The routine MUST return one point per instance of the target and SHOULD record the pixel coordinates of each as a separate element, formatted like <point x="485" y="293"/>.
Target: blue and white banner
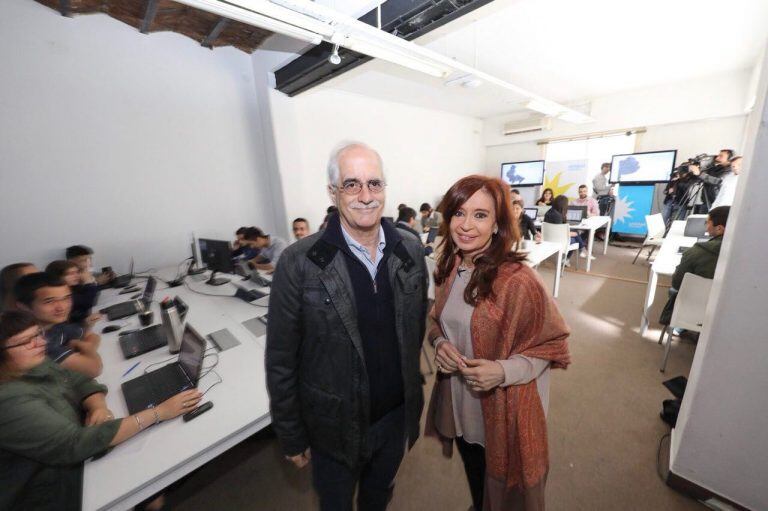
<point x="632" y="204"/>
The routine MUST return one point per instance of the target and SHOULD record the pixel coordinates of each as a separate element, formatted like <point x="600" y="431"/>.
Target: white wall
<point x="424" y="151"/>
<point x="122" y="141"/>
<point x="721" y="438"/>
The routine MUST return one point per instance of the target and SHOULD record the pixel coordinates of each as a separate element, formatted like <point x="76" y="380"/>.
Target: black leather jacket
<point x="316" y="373"/>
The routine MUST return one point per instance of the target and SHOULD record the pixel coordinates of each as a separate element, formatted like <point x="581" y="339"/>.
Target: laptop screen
<point x="574" y="215"/>
<point x="149" y="291"/>
<point x="531" y="213"/>
<point x="191" y="355"/>
<point x="696" y="227"/>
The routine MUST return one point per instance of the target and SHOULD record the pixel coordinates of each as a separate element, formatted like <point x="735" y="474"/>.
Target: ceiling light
<point x="575" y="117"/>
<point x="544" y="107"/>
<point x="468" y="81"/>
<point x="254" y="19"/>
<point x="334" y="58"/>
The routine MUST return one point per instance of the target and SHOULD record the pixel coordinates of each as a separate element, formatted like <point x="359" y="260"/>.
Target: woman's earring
<point x="496" y="230"/>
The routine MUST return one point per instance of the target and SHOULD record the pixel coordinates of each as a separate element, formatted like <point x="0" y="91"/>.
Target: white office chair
<point x="655" y="237"/>
<point x="688" y="313"/>
<point x="560" y="233"/>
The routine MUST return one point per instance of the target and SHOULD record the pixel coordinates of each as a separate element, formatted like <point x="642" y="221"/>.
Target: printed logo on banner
<point x="564" y="177"/>
<point x="632" y="204"/>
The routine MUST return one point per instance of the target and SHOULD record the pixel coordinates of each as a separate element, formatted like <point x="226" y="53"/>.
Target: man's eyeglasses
<point x="353" y="186"/>
<point x="27" y="340"/>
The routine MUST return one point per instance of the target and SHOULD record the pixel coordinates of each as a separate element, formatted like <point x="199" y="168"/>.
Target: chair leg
<point x="667" y="349"/>
<point x="663" y="331"/>
<point x="650" y="252"/>
<point x="638" y="254"/>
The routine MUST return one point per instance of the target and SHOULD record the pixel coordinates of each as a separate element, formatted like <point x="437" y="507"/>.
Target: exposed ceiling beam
<point x="149" y="16"/>
<point x="64" y="7"/>
<point x="215" y="33"/>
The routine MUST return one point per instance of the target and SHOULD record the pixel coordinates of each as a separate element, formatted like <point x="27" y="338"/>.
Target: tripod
<point x="688" y="204"/>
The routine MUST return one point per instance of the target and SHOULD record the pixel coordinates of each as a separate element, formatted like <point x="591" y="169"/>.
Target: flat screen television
<point x="523" y="173"/>
<point x="645" y="168"/>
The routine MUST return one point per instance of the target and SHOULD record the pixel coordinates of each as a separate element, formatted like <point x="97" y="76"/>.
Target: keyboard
<point x="121" y="310"/>
<point x="153" y="388"/>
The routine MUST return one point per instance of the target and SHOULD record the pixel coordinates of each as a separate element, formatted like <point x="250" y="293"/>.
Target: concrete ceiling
<point x="573" y="51"/>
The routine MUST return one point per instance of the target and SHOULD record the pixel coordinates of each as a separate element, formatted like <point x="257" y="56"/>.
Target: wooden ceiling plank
<point x="149" y="15"/>
<point x="215" y="32"/>
<point x="65" y="8"/>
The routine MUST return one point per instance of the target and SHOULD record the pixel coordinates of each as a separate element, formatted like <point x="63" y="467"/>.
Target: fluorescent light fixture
<point x="575" y="117"/>
<point x="254" y="19"/>
<point x="467" y="81"/>
<point x="392" y="55"/>
<point x="545" y="107"/>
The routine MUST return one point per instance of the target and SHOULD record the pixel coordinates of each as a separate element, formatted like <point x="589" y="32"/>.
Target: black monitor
<point x="576" y="214"/>
<point x="217" y="256"/>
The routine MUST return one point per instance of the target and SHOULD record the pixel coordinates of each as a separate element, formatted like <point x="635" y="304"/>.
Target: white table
<point x="153" y="459"/>
<point x="536" y="252"/>
<point x="591" y="224"/>
<point x="665" y="263"/>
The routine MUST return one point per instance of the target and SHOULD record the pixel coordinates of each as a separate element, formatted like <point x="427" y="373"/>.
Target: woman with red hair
<point x="496" y="334"/>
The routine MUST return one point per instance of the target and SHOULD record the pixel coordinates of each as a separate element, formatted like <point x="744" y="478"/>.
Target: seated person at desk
<point x="300" y="228"/>
<point x="429" y="217"/>
<point x="700" y="259"/>
<point x="557" y="214"/>
<point x="82" y="256"/>
<point x="527" y="226"/>
<point x="54" y="419"/>
<point x="406" y="220"/>
<point x="514" y="194"/>
<point x="546" y="198"/>
<point x="270" y="248"/>
<point x="8" y="278"/>
<point x="240" y="249"/>
<point x="84" y="295"/>
<point x="585" y="200"/>
<point x="49" y="300"/>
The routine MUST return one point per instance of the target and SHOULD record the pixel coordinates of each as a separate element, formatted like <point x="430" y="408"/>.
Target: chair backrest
<point x="655" y="225"/>
<point x="559" y="233"/>
<point x="691" y="303"/>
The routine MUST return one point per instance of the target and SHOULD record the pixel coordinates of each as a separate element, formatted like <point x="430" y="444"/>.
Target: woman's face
<point x="72" y="276"/>
<point x="516" y="210"/>
<point x="26" y="349"/>
<point x="473" y="224"/>
<point x="548" y="195"/>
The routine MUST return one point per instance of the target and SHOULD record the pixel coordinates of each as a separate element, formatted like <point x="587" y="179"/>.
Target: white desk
<point x="153" y="459"/>
<point x="591" y="224"/>
<point x="536" y="252"/>
<point x="665" y="263"/>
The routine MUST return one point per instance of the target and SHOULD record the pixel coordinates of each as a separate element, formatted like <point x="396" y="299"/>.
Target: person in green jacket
<point x="53" y="419"/>
<point x="700" y="259"/>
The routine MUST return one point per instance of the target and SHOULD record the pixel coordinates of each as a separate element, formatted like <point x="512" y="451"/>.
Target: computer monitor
<point x="696" y="226"/>
<point x="531" y="213"/>
<point x="523" y="173"/>
<point x="217" y="256"/>
<point x="648" y="168"/>
<point x="576" y="214"/>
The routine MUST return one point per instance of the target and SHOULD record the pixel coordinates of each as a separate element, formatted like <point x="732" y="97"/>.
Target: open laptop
<point x="531" y="213"/>
<point x="125" y="309"/>
<point x="153" y="388"/>
<point x="124" y="280"/>
<point x="542" y="210"/>
<point x="696" y="227"/>
<point x="151" y="338"/>
<point x="576" y="214"/>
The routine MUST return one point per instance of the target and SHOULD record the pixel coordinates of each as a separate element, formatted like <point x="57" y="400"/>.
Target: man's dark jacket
<point x="316" y="373"/>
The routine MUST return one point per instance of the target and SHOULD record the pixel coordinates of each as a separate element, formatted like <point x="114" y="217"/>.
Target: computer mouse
<point x="110" y="328"/>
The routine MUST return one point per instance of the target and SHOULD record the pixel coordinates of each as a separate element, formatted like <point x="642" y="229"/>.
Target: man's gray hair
<point x="333" y="162"/>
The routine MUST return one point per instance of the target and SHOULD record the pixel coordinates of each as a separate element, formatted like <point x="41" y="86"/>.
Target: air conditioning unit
<point x="527" y="126"/>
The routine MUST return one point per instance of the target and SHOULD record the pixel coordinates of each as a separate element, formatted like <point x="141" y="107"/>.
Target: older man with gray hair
<point x="346" y="322"/>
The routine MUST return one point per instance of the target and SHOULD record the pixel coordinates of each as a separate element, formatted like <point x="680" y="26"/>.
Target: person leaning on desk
<point x="54" y="419"/>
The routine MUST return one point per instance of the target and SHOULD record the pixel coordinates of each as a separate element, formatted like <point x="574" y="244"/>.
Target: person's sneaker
<point x="567" y="263"/>
<point x="583" y="254"/>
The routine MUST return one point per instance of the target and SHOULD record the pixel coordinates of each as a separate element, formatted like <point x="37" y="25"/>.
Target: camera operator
<point x="672" y="196"/>
<point x="728" y="186"/>
<point x="712" y="179"/>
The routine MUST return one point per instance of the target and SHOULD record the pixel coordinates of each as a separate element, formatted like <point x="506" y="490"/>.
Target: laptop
<point x="432" y="234"/>
<point x="245" y="271"/>
<point x="125" y="309"/>
<point x="124" y="280"/>
<point x="542" y="210"/>
<point x="576" y="214"/>
<point x="531" y="213"/>
<point x="696" y="227"/>
<point x="153" y="388"/>
<point x="147" y="339"/>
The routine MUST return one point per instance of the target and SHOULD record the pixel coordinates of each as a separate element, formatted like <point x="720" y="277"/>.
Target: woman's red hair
<point x="498" y="252"/>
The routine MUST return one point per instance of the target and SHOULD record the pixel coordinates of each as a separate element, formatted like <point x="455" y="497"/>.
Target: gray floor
<point x="604" y="426"/>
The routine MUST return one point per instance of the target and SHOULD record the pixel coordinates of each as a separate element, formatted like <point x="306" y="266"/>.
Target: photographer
<point x="712" y="179"/>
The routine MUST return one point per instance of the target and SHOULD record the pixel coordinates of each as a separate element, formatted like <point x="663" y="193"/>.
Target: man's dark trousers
<point x="335" y="482"/>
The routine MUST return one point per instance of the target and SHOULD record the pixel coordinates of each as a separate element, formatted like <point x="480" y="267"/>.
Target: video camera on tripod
<point x="704" y="161"/>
